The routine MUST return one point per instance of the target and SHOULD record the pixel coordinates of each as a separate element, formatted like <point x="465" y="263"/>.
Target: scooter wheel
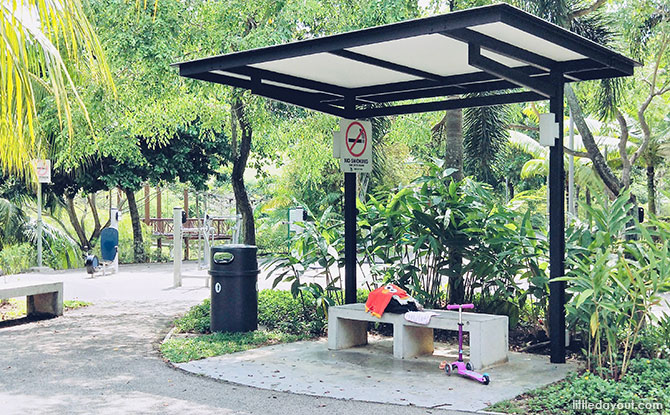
<point x="468" y="366"/>
<point x="447" y="369"/>
<point x="487" y="380"/>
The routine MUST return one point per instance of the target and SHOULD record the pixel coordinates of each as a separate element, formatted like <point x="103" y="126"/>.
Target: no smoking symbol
<point x="42" y="169"/>
<point x="356" y="139"/>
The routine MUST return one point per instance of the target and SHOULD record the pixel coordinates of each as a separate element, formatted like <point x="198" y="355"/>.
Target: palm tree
<point x="584" y="173"/>
<point x="485" y="142"/>
<point x="38" y="41"/>
<point x="656" y="153"/>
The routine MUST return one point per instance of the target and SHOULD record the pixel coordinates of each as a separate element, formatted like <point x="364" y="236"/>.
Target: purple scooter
<point x="459" y="367"/>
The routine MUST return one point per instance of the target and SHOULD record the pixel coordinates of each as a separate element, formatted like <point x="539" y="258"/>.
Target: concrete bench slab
<point x="42" y="298"/>
<point x="489" y="343"/>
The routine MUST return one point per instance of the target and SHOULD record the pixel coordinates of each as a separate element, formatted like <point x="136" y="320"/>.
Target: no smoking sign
<point x="42" y="170"/>
<point x="353" y="146"/>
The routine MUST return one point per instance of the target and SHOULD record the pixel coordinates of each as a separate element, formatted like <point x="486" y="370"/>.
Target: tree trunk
<point x="138" y="242"/>
<point x="510" y="189"/>
<point x="237" y="177"/>
<point x="453" y="158"/>
<point x="74" y="221"/>
<point x="453" y="152"/>
<point x="599" y="162"/>
<point x="456" y="284"/>
<point x="96" y="216"/>
<point x="651" y="189"/>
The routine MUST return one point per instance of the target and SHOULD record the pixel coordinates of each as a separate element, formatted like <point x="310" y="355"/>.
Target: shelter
<point x="500" y="50"/>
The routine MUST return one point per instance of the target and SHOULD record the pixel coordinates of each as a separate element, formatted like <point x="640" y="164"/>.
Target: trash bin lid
<point x="235" y="258"/>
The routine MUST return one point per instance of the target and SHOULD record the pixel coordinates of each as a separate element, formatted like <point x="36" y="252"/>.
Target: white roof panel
<point x="525" y="40"/>
<point x="334" y="70"/>
<point x="434" y="53"/>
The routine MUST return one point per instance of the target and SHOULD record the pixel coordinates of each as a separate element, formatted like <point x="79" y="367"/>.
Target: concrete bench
<point x="347" y="327"/>
<point x="42" y="298"/>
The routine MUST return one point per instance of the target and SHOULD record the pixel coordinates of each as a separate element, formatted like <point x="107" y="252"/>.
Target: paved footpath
<point x="103" y="359"/>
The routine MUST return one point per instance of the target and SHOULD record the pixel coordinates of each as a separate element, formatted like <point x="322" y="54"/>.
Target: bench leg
<point x="45" y="304"/>
<point x="410" y="341"/>
<point x="489" y="344"/>
<point x="343" y="334"/>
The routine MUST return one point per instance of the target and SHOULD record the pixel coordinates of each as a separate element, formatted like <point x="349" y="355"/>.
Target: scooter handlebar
<point x="457" y="306"/>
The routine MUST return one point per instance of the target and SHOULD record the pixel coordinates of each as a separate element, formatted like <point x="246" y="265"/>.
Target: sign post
<point x="353" y="146"/>
<point x="43" y="171"/>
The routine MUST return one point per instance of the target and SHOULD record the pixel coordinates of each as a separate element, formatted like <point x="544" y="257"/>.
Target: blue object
<point x="109" y="242"/>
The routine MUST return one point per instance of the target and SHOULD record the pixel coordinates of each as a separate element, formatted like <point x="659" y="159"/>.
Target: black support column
<point x="350" y="222"/>
<point x="557" y="229"/>
<point x="349" y="238"/>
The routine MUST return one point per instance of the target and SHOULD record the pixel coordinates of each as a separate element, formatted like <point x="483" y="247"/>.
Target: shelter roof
<point x="481" y="56"/>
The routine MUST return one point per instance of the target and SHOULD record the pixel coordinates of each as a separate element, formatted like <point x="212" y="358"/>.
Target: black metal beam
<point x="501" y="48"/>
<point x="290" y="96"/>
<point x="358" y="57"/>
<point x="453" y="80"/>
<point x="446" y="91"/>
<point x="589" y="75"/>
<point x="450" y="104"/>
<point x="290" y="80"/>
<point x="557" y="230"/>
<point x="476" y="59"/>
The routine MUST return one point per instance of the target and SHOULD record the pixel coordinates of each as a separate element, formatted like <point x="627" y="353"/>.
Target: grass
<point x="184" y="349"/>
<point x="75" y="304"/>
<point x="16" y="308"/>
<point x="645" y="384"/>
<point x="284" y="319"/>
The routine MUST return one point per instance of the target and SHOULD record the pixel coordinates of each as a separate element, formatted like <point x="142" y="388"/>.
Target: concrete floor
<point x="371" y="374"/>
<point x="103" y="359"/>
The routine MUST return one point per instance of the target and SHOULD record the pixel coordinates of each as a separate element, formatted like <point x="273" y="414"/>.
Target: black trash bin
<point x="234" y="272"/>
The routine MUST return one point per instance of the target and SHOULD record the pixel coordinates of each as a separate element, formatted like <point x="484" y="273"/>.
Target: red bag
<point x="381" y="297"/>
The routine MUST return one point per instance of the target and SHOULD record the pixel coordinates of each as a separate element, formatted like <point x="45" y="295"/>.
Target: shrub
<point x="295" y="315"/>
<point x="645" y="383"/>
<point x="271" y="237"/>
<point x="655" y="339"/>
<point x="126" y="242"/>
<point x="196" y="320"/>
<point x="616" y="276"/>
<point x="17" y="258"/>
<point x="277" y="310"/>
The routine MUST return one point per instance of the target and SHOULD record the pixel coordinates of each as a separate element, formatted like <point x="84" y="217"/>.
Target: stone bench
<point x="42" y="299"/>
<point x="347" y="327"/>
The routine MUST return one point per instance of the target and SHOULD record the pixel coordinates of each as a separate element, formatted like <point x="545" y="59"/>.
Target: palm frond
<point x="527" y="144"/>
<point x="534" y="168"/>
<point x="33" y="34"/>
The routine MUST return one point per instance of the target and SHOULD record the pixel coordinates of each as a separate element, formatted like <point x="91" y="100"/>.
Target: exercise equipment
<point x="109" y="248"/>
<point x="205" y="233"/>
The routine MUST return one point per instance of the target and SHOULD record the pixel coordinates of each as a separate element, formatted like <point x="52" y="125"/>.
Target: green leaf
<point x="594" y="323"/>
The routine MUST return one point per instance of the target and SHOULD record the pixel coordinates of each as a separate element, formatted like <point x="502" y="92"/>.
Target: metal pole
<point x="571" y="168"/>
<point x="350" y="238"/>
<point x="176" y="247"/>
<point x="39" y="224"/>
<point x="557" y="230"/>
<point x="114" y="224"/>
